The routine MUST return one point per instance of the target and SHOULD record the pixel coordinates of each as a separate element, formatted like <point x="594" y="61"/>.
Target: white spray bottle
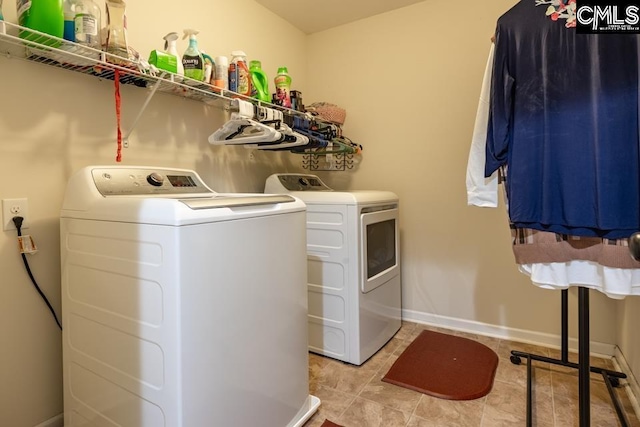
<point x="170" y="42"/>
<point x="192" y="59"/>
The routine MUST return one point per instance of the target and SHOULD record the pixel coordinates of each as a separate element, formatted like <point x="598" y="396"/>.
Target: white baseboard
<point x="634" y="388"/>
<point x="57" y="421"/>
<point x="502" y="332"/>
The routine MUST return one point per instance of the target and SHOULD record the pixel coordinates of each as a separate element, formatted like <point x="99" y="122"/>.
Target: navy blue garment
<point x="564" y="119"/>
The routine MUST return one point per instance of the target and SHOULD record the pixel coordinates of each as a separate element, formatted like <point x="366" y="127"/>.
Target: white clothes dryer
<point x="353" y="259"/>
<point x="174" y="312"/>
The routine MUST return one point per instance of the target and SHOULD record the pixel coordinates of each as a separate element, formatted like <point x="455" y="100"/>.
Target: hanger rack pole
<point x="611" y="378"/>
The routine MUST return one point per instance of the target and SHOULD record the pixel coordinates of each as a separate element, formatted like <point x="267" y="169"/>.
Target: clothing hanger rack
<point x="270" y="128"/>
<point x="611" y="378"/>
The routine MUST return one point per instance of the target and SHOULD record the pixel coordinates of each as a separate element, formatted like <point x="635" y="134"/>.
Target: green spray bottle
<point x="192" y="60"/>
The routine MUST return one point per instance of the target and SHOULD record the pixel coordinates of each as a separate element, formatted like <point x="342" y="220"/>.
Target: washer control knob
<point x="304" y="182"/>
<point x="155" y="179"/>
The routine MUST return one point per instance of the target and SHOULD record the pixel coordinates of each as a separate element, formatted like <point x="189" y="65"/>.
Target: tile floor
<point x="355" y="396"/>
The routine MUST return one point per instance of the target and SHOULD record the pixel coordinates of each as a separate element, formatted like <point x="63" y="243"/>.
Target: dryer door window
<point x="381" y="247"/>
<point x="380" y="251"/>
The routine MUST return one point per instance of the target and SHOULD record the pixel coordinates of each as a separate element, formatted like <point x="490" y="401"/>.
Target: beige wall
<point x="410" y="81"/>
<point x="52" y="122"/>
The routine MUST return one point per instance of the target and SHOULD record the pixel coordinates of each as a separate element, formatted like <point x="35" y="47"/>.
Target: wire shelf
<point x="34" y="46"/>
<point x="24" y="43"/>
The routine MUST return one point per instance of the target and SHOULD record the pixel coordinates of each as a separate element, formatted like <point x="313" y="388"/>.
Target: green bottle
<point x="283" y="87"/>
<point x="260" y="83"/>
<point x="46" y="16"/>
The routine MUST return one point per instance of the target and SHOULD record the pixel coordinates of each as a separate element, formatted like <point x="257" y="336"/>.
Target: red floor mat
<point x="445" y="366"/>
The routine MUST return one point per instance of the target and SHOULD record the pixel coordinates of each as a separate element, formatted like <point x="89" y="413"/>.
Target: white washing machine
<point x="353" y="262"/>
<point x="175" y="311"/>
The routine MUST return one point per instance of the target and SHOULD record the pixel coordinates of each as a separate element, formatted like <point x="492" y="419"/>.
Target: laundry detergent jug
<point x="46" y="16"/>
<point x="260" y="83"/>
<point x="239" y="78"/>
<point x="283" y="87"/>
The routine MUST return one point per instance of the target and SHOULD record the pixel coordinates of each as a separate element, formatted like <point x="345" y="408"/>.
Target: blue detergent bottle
<point x="69" y="7"/>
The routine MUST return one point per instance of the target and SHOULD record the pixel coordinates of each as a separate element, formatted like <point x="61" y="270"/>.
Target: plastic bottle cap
<point x="222" y="60"/>
<point x="238" y="53"/>
<point x="255" y="64"/>
<point x="283" y="70"/>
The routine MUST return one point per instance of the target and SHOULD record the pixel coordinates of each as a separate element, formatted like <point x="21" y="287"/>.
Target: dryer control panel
<point x="302" y="182"/>
<point x="124" y="181"/>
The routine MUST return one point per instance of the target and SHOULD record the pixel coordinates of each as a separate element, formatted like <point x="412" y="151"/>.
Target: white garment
<point x="482" y="191"/>
<point x="616" y="283"/>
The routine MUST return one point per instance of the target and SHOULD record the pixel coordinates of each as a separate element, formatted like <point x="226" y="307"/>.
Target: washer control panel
<point x="123" y="181"/>
<point x="301" y="182"/>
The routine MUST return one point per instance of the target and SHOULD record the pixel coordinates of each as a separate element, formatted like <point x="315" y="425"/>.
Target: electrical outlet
<point x="12" y="208"/>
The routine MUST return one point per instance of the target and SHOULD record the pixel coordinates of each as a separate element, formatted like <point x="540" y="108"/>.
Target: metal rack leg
<point x="611" y="378"/>
<point x="584" y="371"/>
<point x="564" y="311"/>
<point x="529" y="392"/>
<point x="624" y="422"/>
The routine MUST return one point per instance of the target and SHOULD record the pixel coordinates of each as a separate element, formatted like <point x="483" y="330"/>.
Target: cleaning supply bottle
<point x="192" y="59"/>
<point x="170" y="47"/>
<point x="46" y="16"/>
<point x="239" y="78"/>
<point x="208" y="68"/>
<point x="87" y="23"/>
<point x="69" y="7"/>
<point x="117" y="44"/>
<point x="283" y="87"/>
<point x="221" y="78"/>
<point x="166" y="61"/>
<point x="259" y="81"/>
<point x="1" y="17"/>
